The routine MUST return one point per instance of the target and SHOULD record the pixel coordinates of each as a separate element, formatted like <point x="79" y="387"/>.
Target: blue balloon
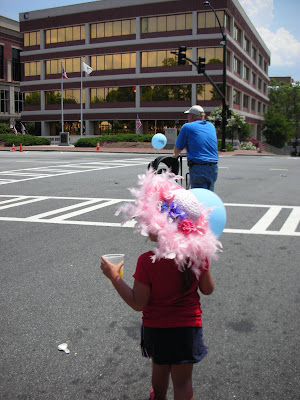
<point x="159" y="141"/>
<point x="217" y="217"/>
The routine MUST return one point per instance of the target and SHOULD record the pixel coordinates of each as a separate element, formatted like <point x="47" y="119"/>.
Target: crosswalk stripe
<point x="63" y="215"/>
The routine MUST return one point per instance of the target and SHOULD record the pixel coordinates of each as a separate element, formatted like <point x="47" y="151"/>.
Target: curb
<point x="135" y="150"/>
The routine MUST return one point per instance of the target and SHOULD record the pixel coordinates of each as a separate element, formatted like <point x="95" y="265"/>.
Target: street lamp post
<point x="224" y="107"/>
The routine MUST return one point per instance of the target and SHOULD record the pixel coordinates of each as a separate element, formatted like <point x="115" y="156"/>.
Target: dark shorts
<point x="173" y="345"/>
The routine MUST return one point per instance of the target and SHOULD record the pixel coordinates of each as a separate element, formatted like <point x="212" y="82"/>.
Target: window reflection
<point x="160" y="58"/>
<point x="113" y="61"/>
<point x="32" y="39"/>
<point x="212" y="55"/>
<point x="32" y="68"/>
<point x="70" y="96"/>
<point x="167" y="23"/>
<point x="166" y="93"/>
<point x="112" y="95"/>
<point x="208" y="19"/>
<point x="70" y="65"/>
<point x="113" y="28"/>
<point x="32" y="98"/>
<point x="67" y="34"/>
<point x="208" y="92"/>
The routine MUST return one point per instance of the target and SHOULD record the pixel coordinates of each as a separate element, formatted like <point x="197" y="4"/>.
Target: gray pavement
<point x="56" y="219"/>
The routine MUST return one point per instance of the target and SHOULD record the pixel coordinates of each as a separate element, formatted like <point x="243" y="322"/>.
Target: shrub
<point x="92" y="141"/>
<point x="248" y="146"/>
<point x="228" y="146"/>
<point x="27" y="140"/>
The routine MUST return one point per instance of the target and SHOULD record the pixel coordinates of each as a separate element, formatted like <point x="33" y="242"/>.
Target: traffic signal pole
<point x="200" y="65"/>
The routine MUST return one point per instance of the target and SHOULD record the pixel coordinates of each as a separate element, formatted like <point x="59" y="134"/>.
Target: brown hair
<point x="187" y="279"/>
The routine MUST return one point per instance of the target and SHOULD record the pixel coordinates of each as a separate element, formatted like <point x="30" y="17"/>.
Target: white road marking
<point x="62" y="215"/>
<point x="67" y="168"/>
<point x="263" y="224"/>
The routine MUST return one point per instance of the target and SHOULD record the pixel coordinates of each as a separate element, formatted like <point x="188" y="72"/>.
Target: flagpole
<point x="62" y="99"/>
<point x="81" y="112"/>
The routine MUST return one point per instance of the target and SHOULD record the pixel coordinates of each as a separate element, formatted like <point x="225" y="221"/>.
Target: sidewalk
<point x="138" y="148"/>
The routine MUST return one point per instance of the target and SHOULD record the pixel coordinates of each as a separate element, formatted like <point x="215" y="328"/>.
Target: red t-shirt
<point x="168" y="306"/>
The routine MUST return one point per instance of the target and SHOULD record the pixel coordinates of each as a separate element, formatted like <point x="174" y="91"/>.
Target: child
<point x="167" y="279"/>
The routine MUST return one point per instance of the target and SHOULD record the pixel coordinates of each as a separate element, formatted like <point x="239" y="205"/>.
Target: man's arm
<point x="176" y="152"/>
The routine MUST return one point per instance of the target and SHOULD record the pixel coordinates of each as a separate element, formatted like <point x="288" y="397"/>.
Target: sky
<point x="277" y="22"/>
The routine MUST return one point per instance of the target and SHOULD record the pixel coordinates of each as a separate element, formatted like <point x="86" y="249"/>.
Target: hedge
<point x="27" y="140"/>
<point x="92" y="141"/>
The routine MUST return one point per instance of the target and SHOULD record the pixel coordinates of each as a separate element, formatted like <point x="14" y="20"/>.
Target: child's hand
<point x="111" y="271"/>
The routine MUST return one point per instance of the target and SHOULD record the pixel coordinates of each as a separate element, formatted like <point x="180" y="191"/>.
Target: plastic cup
<point x="115" y="259"/>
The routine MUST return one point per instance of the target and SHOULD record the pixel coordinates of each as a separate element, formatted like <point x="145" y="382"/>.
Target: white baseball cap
<point x="197" y="110"/>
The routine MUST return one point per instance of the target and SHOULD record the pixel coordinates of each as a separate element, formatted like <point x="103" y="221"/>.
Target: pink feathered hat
<point x="174" y="214"/>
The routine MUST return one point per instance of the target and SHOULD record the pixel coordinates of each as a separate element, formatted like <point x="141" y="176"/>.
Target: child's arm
<point x="138" y="297"/>
<point x="206" y="283"/>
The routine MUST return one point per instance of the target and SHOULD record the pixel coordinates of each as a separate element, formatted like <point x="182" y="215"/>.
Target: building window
<point x="264" y="108"/>
<point x="236" y="97"/>
<point x="259" y="83"/>
<point x="16" y="65"/>
<point x="212" y="55"/>
<point x="208" y="19"/>
<point x="246" y="101"/>
<point x="167" y="23"/>
<point x="32" y="39"/>
<point x="112" y="95"/>
<point x="71" y="96"/>
<point x="247" y="44"/>
<point x="161" y="58"/>
<point x="208" y="92"/>
<point x="4" y="101"/>
<point x="246" y="73"/>
<point x="254" y="79"/>
<point x="32" y="98"/>
<point x="70" y="65"/>
<point x="260" y="60"/>
<point x="265" y="88"/>
<point x="114" y="28"/>
<point x="227" y="22"/>
<point x="266" y="66"/>
<point x="237" y="34"/>
<point x="259" y="107"/>
<point x="253" y="105"/>
<point x="68" y="34"/>
<point x="228" y="59"/>
<point x="166" y="93"/>
<point x="237" y="65"/>
<point x="32" y="68"/>
<point x="254" y="53"/>
<point x="18" y="102"/>
<point x="1" y="63"/>
<point x="113" y="61"/>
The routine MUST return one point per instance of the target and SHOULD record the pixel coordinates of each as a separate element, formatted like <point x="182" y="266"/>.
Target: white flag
<point x="86" y="68"/>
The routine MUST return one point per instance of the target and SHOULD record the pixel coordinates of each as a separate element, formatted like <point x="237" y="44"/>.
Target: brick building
<point x="11" y="44"/>
<point x="129" y="46"/>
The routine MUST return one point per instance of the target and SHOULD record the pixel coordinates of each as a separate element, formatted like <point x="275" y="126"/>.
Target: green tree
<point x="171" y="61"/>
<point x="277" y="129"/>
<point x="285" y="101"/>
<point x="33" y="99"/>
<point x="236" y="125"/>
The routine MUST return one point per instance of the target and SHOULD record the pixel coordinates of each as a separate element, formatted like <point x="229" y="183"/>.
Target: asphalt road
<point x="57" y="218"/>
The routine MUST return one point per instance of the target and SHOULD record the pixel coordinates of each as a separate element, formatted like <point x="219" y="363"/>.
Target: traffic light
<point x="181" y="55"/>
<point x="201" y="65"/>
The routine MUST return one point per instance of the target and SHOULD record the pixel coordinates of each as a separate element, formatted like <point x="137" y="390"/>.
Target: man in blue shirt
<point x="199" y="138"/>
